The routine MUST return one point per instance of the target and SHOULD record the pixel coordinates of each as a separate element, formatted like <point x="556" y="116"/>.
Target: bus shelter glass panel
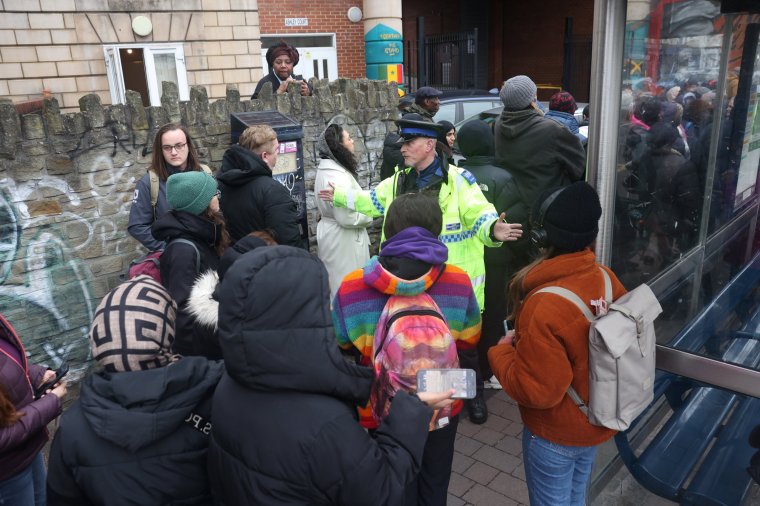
<point x="738" y="155"/>
<point x="670" y="73"/>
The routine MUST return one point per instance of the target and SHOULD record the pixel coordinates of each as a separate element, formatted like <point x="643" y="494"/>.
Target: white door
<point x="317" y="58"/>
<point x="319" y="62"/>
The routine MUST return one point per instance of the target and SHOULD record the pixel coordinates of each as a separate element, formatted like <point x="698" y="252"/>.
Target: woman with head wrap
<point x="342" y="240"/>
<point x="282" y="58"/>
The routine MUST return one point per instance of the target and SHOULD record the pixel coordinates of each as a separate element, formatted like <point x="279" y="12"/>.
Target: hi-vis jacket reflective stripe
<point x="467" y="219"/>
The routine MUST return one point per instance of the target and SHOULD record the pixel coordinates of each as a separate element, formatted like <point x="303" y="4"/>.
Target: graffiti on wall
<point x="55" y="234"/>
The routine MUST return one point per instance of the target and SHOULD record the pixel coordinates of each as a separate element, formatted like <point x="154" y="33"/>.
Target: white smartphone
<point x="440" y="380"/>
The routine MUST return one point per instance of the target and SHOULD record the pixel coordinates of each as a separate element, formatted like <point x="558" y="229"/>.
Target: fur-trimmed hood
<point x="201" y="304"/>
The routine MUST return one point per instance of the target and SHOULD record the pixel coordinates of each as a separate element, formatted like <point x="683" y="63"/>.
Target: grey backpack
<point x="621" y="355"/>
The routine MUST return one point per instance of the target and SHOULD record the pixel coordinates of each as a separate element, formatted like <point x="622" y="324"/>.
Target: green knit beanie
<point x="190" y="191"/>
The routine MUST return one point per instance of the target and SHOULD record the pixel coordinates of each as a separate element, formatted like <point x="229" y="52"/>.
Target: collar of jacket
<point x="382" y="280"/>
<point x="554" y="270"/>
<point x="240" y="165"/>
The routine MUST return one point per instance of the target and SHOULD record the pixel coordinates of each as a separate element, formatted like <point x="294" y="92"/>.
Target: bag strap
<point x="387" y="324"/>
<point x="197" y="253"/>
<point x="572" y="297"/>
<point x="154" y="185"/>
<point x="206" y="169"/>
<point x="607" y="285"/>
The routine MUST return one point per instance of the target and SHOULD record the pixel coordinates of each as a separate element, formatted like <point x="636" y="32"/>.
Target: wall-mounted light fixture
<point x="142" y="26"/>
<point x="354" y="14"/>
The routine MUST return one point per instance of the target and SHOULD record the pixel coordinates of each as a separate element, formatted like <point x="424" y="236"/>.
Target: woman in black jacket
<point x="282" y="58"/>
<point x="139" y="431"/>
<point x="285" y="428"/>
<point x="196" y="236"/>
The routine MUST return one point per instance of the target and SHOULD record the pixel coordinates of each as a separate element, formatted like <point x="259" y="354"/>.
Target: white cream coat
<point x="342" y="240"/>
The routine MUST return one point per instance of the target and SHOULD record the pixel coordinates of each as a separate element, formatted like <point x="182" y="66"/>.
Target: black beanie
<point x="572" y="219"/>
<point x="476" y="139"/>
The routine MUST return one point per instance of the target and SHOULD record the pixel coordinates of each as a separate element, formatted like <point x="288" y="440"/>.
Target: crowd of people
<point x="250" y="372"/>
<point x="663" y="150"/>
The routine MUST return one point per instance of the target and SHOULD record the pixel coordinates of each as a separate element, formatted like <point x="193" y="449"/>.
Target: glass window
<point x="447" y="112"/>
<point x="670" y="75"/>
<point x="475" y="107"/>
<point x="143" y="69"/>
<point x="738" y="156"/>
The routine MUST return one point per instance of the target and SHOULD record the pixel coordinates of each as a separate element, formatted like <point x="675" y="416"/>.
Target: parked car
<point x="490" y="115"/>
<point x="457" y="105"/>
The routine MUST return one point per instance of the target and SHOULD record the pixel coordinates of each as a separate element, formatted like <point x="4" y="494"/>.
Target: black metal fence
<point x="446" y="61"/>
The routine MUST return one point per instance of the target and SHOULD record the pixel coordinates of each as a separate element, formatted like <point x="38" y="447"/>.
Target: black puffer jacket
<point x="391" y="155"/>
<point x="136" y="438"/>
<point x="180" y="268"/>
<point x="251" y="200"/>
<point x="538" y="152"/>
<point x="285" y="428"/>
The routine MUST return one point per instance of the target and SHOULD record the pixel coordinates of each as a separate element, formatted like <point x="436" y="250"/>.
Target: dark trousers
<point x="431" y="485"/>
<point x="494" y="313"/>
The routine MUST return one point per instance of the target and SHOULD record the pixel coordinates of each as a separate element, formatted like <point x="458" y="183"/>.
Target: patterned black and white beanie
<point x="133" y="328"/>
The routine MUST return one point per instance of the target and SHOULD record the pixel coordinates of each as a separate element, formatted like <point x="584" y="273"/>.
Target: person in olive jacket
<point x="499" y="187"/>
<point x="139" y="432"/>
<point x="538" y="152"/>
<point x="251" y="199"/>
<point x="285" y="428"/>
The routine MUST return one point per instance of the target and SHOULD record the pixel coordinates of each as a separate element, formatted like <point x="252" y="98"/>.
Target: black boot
<point x="477" y="409"/>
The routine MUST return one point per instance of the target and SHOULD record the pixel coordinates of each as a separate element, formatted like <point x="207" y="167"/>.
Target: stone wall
<point x="66" y="182"/>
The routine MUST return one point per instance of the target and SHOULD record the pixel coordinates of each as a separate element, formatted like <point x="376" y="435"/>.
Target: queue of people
<point x="251" y="374"/>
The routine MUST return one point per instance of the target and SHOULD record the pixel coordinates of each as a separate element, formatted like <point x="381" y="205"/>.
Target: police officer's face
<point x="417" y="151"/>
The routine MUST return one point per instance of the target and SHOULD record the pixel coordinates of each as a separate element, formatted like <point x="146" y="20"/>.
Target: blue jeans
<point x="26" y="488"/>
<point x="557" y="475"/>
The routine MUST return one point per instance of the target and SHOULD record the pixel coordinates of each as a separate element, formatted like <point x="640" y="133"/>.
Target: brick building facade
<point x="56" y="47"/>
<point x="327" y="16"/>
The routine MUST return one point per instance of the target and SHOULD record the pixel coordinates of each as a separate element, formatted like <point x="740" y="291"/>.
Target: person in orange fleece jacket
<point x="548" y="351"/>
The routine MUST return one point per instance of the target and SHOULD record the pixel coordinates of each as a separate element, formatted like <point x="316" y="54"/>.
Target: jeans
<point x="26" y="488"/>
<point x="556" y="474"/>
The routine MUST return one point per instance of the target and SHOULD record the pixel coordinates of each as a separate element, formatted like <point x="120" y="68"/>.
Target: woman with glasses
<point x="173" y="152"/>
<point x="196" y="236"/>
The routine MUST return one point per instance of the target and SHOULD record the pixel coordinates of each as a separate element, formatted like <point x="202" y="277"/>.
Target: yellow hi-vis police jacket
<point x="467" y="218"/>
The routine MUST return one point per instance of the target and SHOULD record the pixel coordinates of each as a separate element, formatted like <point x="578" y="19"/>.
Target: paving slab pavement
<point x="488" y="468"/>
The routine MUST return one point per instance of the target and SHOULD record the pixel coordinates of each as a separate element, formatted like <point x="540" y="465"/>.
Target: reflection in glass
<point x="671" y="66"/>
<point x="166" y="67"/>
<point x="738" y="155"/>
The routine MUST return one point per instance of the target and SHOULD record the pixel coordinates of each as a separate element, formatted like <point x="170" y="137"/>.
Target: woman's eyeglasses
<point x="177" y="147"/>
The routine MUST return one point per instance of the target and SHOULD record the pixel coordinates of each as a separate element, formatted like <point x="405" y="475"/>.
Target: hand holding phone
<point x="441" y="380"/>
<point x="46" y="385"/>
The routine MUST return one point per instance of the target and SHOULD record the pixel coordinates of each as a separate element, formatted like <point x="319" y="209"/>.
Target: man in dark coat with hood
<point x="285" y="428"/>
<point x="139" y="432"/>
<point x="251" y="199"/>
<point x="500" y="189"/>
<point x="538" y="152"/>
